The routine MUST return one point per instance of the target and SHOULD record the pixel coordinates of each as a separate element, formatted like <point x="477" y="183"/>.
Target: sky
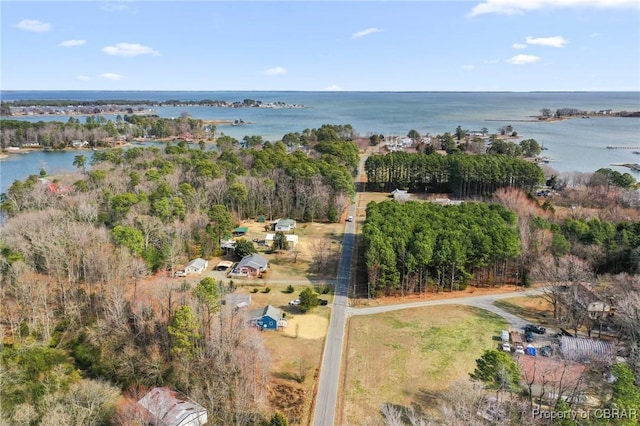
<point x="482" y="45"/>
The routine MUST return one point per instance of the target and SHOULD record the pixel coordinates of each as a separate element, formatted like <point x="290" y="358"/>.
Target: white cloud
<point x="518" y="7"/>
<point x="83" y="78"/>
<point x="556" y="41"/>
<point x="366" y="32"/>
<point x="519" y="46"/>
<point x="71" y="43"/>
<point x="523" y="59"/>
<point x="129" y="50"/>
<point x="33" y="25"/>
<point x="110" y="76"/>
<point x="468" y="67"/>
<point x="333" y="88"/>
<point x="275" y="71"/>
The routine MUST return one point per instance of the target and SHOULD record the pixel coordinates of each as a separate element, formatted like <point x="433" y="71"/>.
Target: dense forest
<point x="79" y="334"/>
<point x="417" y="247"/>
<point x="460" y="174"/>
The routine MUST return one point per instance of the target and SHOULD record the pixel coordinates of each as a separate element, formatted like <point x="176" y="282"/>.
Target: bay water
<point x="573" y="145"/>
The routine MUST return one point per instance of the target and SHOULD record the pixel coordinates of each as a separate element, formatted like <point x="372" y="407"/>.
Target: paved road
<point x="327" y="395"/>
<point x="484" y="302"/>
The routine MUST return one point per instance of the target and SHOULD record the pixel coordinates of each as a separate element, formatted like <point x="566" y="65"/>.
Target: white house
<point x="166" y="409"/>
<point x="196" y="266"/>
<point x="284" y="225"/>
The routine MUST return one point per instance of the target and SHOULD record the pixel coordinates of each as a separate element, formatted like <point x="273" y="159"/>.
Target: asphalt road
<point x="330" y="371"/>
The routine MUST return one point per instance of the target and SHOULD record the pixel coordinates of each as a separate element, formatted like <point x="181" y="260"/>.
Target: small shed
<point x="196" y="266"/>
<point x="267" y="318"/>
<point x="240" y="231"/>
<point x="166" y="408"/>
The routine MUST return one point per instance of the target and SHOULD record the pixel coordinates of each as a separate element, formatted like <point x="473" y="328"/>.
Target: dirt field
<point x="408" y="356"/>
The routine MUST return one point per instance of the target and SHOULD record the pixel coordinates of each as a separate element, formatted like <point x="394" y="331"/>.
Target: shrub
<point x="266" y="290"/>
<point x="255" y="290"/>
<point x="289" y="289"/>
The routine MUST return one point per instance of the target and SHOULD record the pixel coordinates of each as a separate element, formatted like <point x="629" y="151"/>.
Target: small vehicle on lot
<point x="180" y="274"/>
<point x="535" y="328"/>
<point x="295" y="302"/>
<point x="323" y="302"/>
<point x="506" y="347"/>
<point x="528" y="336"/>
<point x="545" y="350"/>
<point x="520" y="349"/>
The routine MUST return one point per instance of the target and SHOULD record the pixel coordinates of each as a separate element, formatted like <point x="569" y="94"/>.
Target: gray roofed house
<point x="284" y="225"/>
<point x="269" y="318"/>
<point x="166" y="409"/>
<point x="196" y="266"/>
<point x="251" y="266"/>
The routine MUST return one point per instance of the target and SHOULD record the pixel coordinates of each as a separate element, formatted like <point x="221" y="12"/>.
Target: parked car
<point x="323" y="302"/>
<point x="180" y="274"/>
<point x="350" y="219"/>
<point x="535" y="328"/>
<point x="504" y="336"/>
<point x="295" y="302"/>
<point x="506" y="347"/>
<point x="520" y="349"/>
<point x="545" y="350"/>
<point x="528" y="336"/>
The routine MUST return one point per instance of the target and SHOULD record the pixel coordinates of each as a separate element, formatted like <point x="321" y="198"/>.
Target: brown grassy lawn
<point x="406" y="357"/>
<point x="295" y="352"/>
<point x="283" y="264"/>
<point x="534" y="309"/>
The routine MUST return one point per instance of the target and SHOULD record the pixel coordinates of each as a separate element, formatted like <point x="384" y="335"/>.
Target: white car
<point x="179" y="274"/>
<point x="519" y="349"/>
<point x="350" y="219"/>
<point x="295" y="302"/>
<point x="506" y="347"/>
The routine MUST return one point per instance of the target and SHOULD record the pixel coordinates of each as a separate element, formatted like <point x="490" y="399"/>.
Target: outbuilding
<point x="196" y="266"/>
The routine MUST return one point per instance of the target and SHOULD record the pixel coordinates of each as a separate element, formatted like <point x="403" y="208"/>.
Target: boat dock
<point x="623" y="147"/>
<point x="633" y="166"/>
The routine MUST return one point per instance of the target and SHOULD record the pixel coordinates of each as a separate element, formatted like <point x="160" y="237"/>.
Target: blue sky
<point x="484" y="45"/>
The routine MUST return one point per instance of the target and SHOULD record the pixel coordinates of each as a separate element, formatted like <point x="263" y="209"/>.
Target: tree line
<point x="413" y="247"/>
<point x="462" y="175"/>
<point x="98" y="131"/>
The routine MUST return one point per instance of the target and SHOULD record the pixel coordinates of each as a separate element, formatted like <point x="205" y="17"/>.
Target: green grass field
<point x="408" y="356"/>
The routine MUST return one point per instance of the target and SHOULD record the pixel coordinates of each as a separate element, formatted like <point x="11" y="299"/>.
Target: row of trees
<point x="463" y="175"/>
<point x="415" y="246"/>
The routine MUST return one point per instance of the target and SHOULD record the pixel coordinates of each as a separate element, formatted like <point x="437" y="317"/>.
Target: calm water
<point x="574" y="145"/>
